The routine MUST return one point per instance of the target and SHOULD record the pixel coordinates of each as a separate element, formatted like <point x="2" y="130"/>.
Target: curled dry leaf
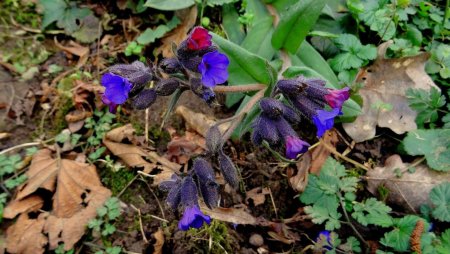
<point x="384" y="99"/>
<point x="299" y="181"/>
<point x="188" y="18"/>
<point x="181" y="149"/>
<point x="78" y="193"/>
<point x="258" y="195"/>
<point x="198" y="121"/>
<point x="136" y="157"/>
<point x="231" y="215"/>
<point x="30" y="204"/>
<point x="158" y="245"/>
<point x="75" y="49"/>
<point x="320" y="153"/>
<point x="411" y="189"/>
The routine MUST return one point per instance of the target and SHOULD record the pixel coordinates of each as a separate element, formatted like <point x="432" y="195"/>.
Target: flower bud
<point x="266" y="130"/>
<point x="228" y="170"/>
<point x="290" y="87"/>
<point x="191" y="63"/>
<point x="144" y="99"/>
<point x="169" y="184"/>
<point x="213" y="139"/>
<point x="167" y="87"/>
<point x="271" y="107"/>
<point x="203" y="170"/>
<point x="210" y="194"/>
<point x="206" y="93"/>
<point x="137" y="73"/>
<point x="170" y="65"/>
<point x="189" y="195"/>
<point x="174" y="196"/>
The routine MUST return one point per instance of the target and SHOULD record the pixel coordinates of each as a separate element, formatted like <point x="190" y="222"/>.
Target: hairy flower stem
<point x="239" y="89"/>
<point x="350" y="223"/>
<point x="243" y="112"/>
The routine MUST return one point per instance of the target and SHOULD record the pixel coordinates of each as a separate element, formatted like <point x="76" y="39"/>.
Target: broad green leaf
<point x="150" y="35"/>
<point x="398" y="238"/>
<point x="233" y="28"/>
<point x="345" y="61"/>
<point x="53" y="11"/>
<point x="258" y="38"/>
<point x="169" y="5"/>
<point x="434" y="144"/>
<point x="367" y="52"/>
<point x="348" y="42"/>
<point x="295" y="24"/>
<point x="219" y="2"/>
<point x="70" y="20"/>
<point x="440" y="197"/>
<point x="255" y="66"/>
<point x="444" y="245"/>
<point x="320" y="215"/>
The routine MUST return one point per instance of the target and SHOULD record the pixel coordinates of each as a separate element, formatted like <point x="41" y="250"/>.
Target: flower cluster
<point x="197" y="66"/>
<point x="309" y="99"/>
<point x="183" y="192"/>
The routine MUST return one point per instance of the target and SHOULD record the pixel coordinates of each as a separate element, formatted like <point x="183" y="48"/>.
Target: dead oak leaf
<point x="384" y="99"/>
<point x="26" y="236"/>
<point x="410" y="190"/>
<point x="78" y="193"/>
<point x="28" y="204"/>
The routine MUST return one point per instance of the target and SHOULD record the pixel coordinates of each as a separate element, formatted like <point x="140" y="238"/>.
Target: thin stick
<point x="147" y="111"/>
<point x="345" y="158"/>
<point x="25" y="145"/>
<point x="350" y="223"/>
<point x="240" y="88"/>
<point x="273" y="202"/>
<point x="140" y="223"/>
<point x="128" y="185"/>
<point x="154" y="195"/>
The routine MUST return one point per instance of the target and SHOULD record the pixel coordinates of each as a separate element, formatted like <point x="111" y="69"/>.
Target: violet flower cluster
<point x="309" y="99"/>
<point x="197" y="66"/>
<point x="184" y="192"/>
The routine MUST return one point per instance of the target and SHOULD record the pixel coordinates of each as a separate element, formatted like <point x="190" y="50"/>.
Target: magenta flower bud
<point x="193" y="218"/>
<point x="295" y="146"/>
<point x="336" y="98"/>
<point x="324" y="120"/>
<point x="199" y="39"/>
<point x="144" y="99"/>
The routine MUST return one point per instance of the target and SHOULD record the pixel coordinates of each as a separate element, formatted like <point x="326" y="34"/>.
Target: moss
<point x="217" y="231"/>
<point x="117" y="181"/>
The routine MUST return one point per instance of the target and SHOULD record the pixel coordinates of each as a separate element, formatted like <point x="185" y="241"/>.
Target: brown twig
<point x="140" y="223"/>
<point x="240" y="88"/>
<point x="345" y="158"/>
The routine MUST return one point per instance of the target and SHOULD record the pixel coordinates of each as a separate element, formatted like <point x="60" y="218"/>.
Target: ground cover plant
<point x="225" y="126"/>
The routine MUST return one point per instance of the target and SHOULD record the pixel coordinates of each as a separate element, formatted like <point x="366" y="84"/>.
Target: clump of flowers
<point x="197" y="66"/>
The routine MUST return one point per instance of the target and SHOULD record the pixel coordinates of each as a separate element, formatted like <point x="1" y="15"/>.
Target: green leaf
<point x="219" y="2"/>
<point x="352" y="245"/>
<point x="372" y="211"/>
<point x="114" y="250"/>
<point x="295" y="24"/>
<point x="398" y="238"/>
<point x="169" y="5"/>
<point x="444" y="245"/>
<point x="150" y="35"/>
<point x="254" y="66"/>
<point x="345" y="61"/>
<point x="367" y="52"/>
<point x="233" y="28"/>
<point x="440" y="197"/>
<point x="434" y="144"/>
<point x="70" y="20"/>
<point x="108" y="230"/>
<point x="53" y="11"/>
<point x="348" y="42"/>
<point x="320" y="215"/>
<point x="89" y="30"/>
<point x="425" y="103"/>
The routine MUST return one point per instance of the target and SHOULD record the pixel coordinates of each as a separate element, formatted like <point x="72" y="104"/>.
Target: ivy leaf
<point x="440" y="197"/>
<point x="372" y="211"/>
<point x="398" y="238"/>
<point x="434" y="144"/>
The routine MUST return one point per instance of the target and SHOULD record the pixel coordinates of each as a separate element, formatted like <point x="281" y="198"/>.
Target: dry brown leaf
<point x="181" y="149"/>
<point x="29" y="204"/>
<point x="75" y="49"/>
<point x="231" y="215"/>
<point x="386" y="82"/>
<point x="158" y="245"/>
<point x="198" y="121"/>
<point x="188" y="18"/>
<point x="26" y="236"/>
<point x="280" y="238"/>
<point x="299" y="181"/>
<point x="410" y="190"/>
<point x="78" y="193"/>
<point x="321" y="153"/>
<point x="133" y="155"/>
<point x="258" y="195"/>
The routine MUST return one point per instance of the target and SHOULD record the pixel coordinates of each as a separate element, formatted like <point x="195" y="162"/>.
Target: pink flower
<point x="199" y="39"/>
<point x="337" y="97"/>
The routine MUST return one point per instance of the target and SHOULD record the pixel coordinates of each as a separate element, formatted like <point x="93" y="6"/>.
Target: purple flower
<point x="213" y="68"/>
<point x="324" y="239"/>
<point x="324" y="120"/>
<point x="193" y="218"/>
<point x="295" y="146"/>
<point x="112" y="106"/>
<point x="336" y="98"/>
<point x="116" y="89"/>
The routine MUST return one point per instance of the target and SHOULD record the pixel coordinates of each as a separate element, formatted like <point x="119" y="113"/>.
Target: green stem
<point x="349" y="221"/>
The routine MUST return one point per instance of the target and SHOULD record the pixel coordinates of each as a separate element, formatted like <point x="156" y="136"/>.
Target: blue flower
<point x="116" y="89"/>
<point x="193" y="218"/>
<point x="213" y="68"/>
<point x="295" y="146"/>
<point x="324" y="120"/>
<point x="324" y="239"/>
